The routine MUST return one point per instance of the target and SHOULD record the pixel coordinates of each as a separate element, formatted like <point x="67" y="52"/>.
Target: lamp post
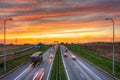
<point x="113" y="57"/>
<point x="5" y="44"/>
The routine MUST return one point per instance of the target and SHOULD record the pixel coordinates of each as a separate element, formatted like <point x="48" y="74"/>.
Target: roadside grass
<point x="58" y="72"/>
<point x="14" y="63"/>
<point x="44" y="48"/>
<point x="104" y="63"/>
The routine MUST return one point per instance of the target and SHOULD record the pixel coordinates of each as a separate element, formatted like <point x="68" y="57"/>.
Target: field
<point x="17" y="55"/>
<point x="103" y="49"/>
<point x="12" y="48"/>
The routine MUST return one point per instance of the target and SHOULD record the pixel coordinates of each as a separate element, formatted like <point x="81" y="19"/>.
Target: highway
<point x="80" y="69"/>
<point x="27" y="71"/>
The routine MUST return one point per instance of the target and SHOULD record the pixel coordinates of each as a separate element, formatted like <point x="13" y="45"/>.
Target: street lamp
<point x="113" y="42"/>
<point x="5" y="43"/>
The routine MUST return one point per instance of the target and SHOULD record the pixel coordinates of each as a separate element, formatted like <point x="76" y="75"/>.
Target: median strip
<point x="58" y="72"/>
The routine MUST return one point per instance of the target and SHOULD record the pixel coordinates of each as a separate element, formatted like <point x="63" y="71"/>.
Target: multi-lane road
<point x="27" y="71"/>
<point x="80" y="69"/>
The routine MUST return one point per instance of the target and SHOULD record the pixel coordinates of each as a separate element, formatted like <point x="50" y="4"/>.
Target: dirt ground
<point x="17" y="55"/>
<point x="104" y="49"/>
<point x="12" y="48"/>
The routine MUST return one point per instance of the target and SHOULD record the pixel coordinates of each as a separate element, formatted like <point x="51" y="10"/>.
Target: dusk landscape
<point x="59" y="39"/>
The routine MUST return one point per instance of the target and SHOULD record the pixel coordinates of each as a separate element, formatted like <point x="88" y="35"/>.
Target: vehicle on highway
<point x="65" y="54"/>
<point x="51" y="50"/>
<point x="39" y="74"/>
<point x="66" y="50"/>
<point x="51" y="56"/>
<point x="36" y="57"/>
<point x="73" y="57"/>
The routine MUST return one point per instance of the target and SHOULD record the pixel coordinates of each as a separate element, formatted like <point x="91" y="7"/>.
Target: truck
<point x="36" y="58"/>
<point x="39" y="74"/>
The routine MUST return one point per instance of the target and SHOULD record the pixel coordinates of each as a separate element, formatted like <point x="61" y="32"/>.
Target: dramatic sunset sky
<point x="59" y="20"/>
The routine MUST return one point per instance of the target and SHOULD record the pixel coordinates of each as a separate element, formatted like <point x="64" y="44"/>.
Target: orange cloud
<point x="59" y="20"/>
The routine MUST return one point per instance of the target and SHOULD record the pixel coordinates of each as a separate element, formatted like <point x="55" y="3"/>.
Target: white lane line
<point x="21" y="73"/>
<point x="82" y="75"/>
<point x="65" y="67"/>
<point x="78" y="67"/>
<point x="83" y="72"/>
<point x="89" y="71"/>
<point x="49" y="71"/>
<point x="50" y="68"/>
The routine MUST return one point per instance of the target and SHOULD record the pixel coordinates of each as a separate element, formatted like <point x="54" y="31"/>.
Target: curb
<point x="13" y="69"/>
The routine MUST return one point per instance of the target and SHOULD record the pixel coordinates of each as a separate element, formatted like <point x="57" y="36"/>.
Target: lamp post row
<point x="78" y="43"/>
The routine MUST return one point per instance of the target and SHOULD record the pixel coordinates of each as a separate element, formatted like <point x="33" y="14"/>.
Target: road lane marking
<point x="82" y="71"/>
<point x="21" y="73"/>
<point x="89" y="71"/>
<point x="75" y="64"/>
<point x="50" y="68"/>
<point x="65" y="67"/>
<point x="82" y="75"/>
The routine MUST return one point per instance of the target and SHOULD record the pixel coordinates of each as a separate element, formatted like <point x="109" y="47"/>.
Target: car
<point x="66" y="50"/>
<point x="64" y="47"/>
<point x="51" y="56"/>
<point x="36" y="58"/>
<point x="65" y="54"/>
<point x="51" y="50"/>
<point x="73" y="57"/>
<point x="39" y="74"/>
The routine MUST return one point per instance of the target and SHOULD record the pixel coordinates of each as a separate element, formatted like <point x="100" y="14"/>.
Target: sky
<point x="59" y="20"/>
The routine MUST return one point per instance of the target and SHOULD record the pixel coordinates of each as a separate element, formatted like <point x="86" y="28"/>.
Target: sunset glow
<point x="70" y="21"/>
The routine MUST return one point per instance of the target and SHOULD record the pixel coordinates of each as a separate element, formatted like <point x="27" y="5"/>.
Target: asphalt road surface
<point x="80" y="69"/>
<point x="27" y="71"/>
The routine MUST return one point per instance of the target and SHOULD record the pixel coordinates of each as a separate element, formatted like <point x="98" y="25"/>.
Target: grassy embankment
<point x="14" y="63"/>
<point x="58" y="72"/>
<point x="104" y="63"/>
